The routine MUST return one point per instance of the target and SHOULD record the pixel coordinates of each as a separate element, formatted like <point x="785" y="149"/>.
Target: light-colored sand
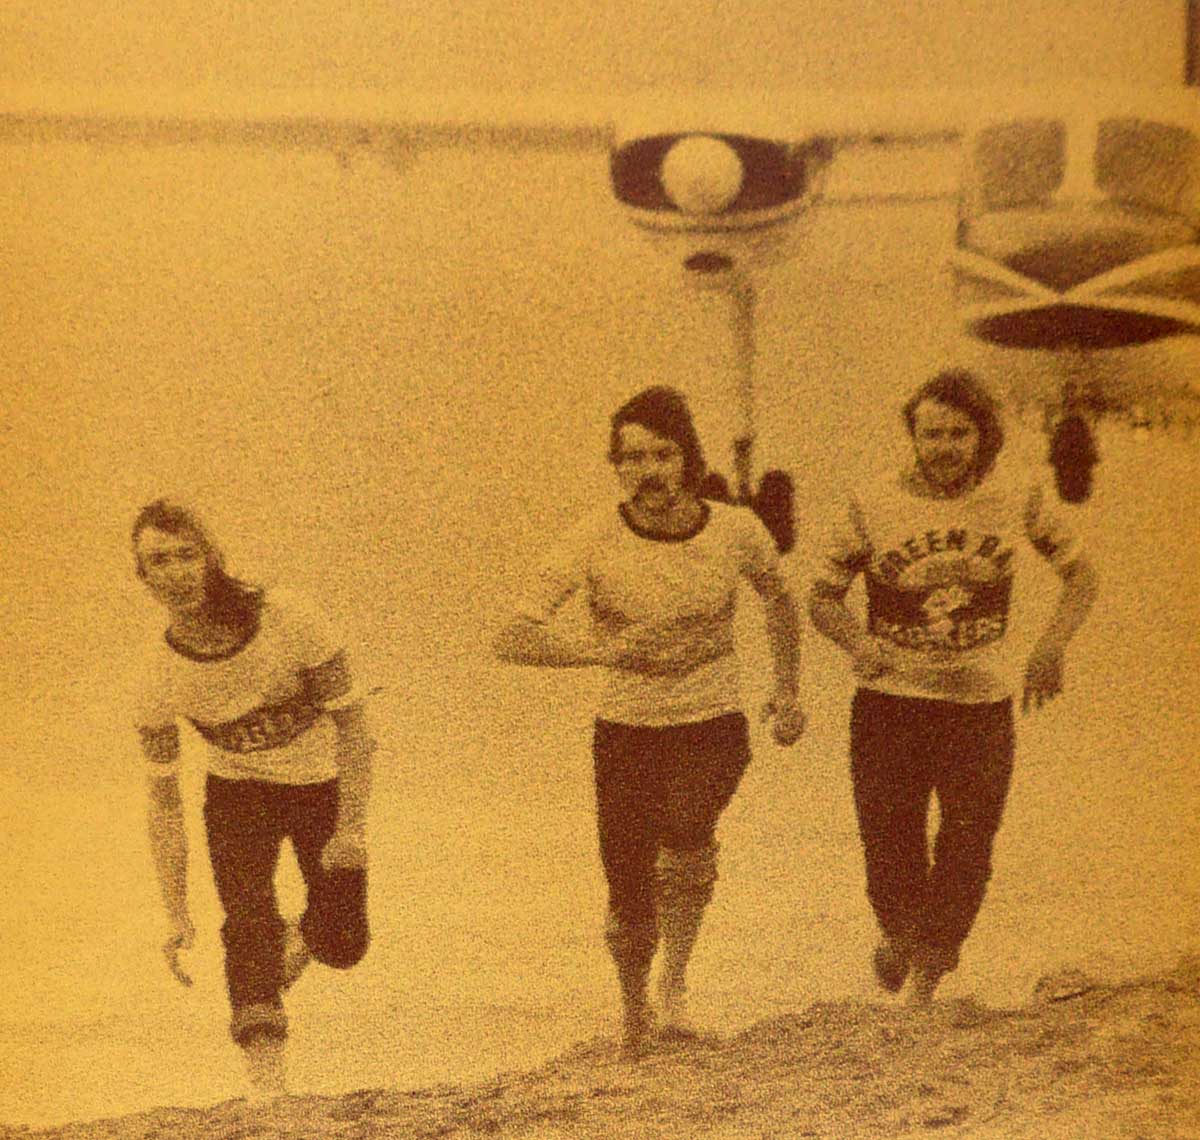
<point x="1081" y="1059"/>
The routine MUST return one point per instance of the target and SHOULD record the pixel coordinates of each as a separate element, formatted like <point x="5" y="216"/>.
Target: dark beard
<point x="653" y="488"/>
<point x="959" y="483"/>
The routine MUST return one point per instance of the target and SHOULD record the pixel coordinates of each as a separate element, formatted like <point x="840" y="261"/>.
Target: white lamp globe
<point x="702" y="174"/>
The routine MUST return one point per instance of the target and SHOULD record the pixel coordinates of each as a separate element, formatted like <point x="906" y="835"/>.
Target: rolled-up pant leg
<point x="705" y="766"/>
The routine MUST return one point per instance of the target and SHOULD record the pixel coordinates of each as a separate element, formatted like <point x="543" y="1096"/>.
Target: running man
<point x="660" y="573"/>
<point x="261" y="677"/>
<point x="933" y="712"/>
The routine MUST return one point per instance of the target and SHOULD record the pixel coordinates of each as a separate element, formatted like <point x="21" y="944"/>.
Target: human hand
<point x="674" y="648"/>
<point x="345" y="851"/>
<point x="869" y="659"/>
<point x="1043" y="677"/>
<point x="183" y="937"/>
<point x="788" y="717"/>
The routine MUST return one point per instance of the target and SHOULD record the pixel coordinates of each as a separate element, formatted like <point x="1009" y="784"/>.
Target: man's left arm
<point x="1080" y="585"/>
<point x="1044" y="671"/>
<point x="783" y="639"/>
<point x="331" y="686"/>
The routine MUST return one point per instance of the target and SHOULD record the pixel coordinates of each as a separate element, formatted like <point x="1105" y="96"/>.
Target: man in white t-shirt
<point x="937" y="545"/>
<point x="266" y="683"/>
<point x="660" y="574"/>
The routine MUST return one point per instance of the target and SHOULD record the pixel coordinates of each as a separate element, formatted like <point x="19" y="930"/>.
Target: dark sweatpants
<point x="247" y="822"/>
<point x="903" y="750"/>
<point x="660" y="787"/>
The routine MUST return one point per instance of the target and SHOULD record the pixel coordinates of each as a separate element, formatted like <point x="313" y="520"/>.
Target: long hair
<point x="960" y="390"/>
<point x="665" y="412"/>
<point x="227" y="600"/>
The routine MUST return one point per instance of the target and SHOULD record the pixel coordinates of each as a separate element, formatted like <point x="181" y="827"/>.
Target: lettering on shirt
<point x="268" y="726"/>
<point x="941" y="591"/>
<point x="893" y="563"/>
<point x="953" y="634"/>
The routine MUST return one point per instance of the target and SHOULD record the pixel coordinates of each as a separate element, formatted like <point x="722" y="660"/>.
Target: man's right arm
<point x="525" y="641"/>
<point x="831" y="617"/>
<point x="531" y="636"/>
<point x="847" y="556"/>
<point x="168" y="838"/>
<point x="168" y="845"/>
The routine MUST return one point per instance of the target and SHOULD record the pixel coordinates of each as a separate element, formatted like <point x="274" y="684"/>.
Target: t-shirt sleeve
<point x="155" y="718"/>
<point x="559" y="575"/>
<point x="847" y="551"/>
<point x="756" y="550"/>
<point x="1047" y="530"/>
<point x="319" y="649"/>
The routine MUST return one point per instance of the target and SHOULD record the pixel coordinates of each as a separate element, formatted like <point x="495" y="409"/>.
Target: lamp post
<point x="722" y="192"/>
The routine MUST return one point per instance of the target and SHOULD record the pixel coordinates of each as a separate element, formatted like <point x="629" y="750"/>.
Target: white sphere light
<point x="702" y="175"/>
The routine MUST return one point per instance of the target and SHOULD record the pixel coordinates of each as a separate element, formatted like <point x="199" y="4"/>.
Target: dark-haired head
<point x="665" y="412"/>
<point x="227" y="600"/>
<point x="961" y="390"/>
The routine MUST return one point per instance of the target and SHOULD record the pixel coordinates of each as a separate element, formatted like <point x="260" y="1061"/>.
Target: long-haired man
<point x="936" y="545"/>
<point x="660" y="574"/>
<point x="266" y="683"/>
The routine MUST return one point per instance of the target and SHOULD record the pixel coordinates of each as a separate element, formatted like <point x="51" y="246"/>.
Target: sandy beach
<point x="1080" y="1059"/>
<point x="384" y="375"/>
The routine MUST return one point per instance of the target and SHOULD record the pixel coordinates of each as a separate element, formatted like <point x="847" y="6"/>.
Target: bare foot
<point x="890" y="963"/>
<point x="922" y="986"/>
<point x="637" y="1029"/>
<point x="677" y="1024"/>
<point x="265" y="1068"/>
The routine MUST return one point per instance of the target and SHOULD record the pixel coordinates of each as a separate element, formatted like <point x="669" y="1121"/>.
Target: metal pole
<point x="1191" y="43"/>
<point x="742" y="297"/>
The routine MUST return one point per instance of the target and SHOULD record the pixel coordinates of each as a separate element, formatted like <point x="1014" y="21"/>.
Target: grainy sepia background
<point x="388" y="385"/>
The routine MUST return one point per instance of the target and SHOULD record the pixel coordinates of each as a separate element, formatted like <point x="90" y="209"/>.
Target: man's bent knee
<point x="687" y="873"/>
<point x="342" y="952"/>
<point x="335" y="927"/>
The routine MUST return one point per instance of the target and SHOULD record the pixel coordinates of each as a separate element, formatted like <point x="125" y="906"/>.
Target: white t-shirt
<point x="667" y="583"/>
<point x="260" y="709"/>
<point x="939" y="578"/>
